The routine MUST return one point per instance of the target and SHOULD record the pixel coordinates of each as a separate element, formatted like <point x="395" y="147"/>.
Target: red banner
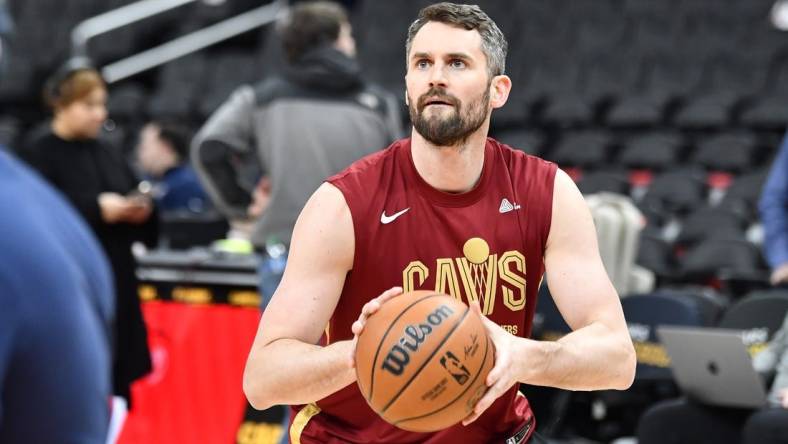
<point x="194" y="394"/>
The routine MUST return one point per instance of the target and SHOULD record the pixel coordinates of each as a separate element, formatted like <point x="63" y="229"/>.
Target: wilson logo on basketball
<point x="412" y="337"/>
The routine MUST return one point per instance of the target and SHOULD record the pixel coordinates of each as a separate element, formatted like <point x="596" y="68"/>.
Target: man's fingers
<point x="494" y="392"/>
<point x="495" y="374"/>
<point x="499" y="368"/>
<point x="357" y="327"/>
<point x="489" y="397"/>
<point x="374" y="305"/>
<point x="488" y="324"/>
<point x="784" y="398"/>
<point x="480" y="407"/>
<point x="470" y="418"/>
<point x="476" y="308"/>
<point x="390" y="293"/>
<point x="353" y="352"/>
<point x="370" y="307"/>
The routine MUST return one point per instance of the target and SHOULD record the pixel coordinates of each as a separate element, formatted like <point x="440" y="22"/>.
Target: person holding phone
<point x="102" y="188"/>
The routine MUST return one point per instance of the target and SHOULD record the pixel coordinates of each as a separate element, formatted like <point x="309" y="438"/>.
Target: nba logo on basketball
<point x="455" y="368"/>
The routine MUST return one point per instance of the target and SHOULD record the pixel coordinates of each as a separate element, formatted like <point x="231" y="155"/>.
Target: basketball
<point x="422" y="360"/>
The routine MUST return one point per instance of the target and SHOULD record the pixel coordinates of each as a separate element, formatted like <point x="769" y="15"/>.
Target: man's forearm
<point x="219" y="177"/>
<point x="288" y="371"/>
<point x="590" y="358"/>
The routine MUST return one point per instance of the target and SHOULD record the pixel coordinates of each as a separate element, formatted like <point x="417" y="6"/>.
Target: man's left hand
<point x="505" y="372"/>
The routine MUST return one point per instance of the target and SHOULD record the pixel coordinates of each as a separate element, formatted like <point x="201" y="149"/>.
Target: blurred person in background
<point x="100" y="185"/>
<point x="683" y="421"/>
<point x="163" y="156"/>
<point x="57" y="308"/>
<point x="300" y="127"/>
<point x="773" y="207"/>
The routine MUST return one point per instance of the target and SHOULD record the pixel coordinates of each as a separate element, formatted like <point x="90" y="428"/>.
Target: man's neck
<point x="453" y="169"/>
<point x="62" y="130"/>
<point x="166" y="165"/>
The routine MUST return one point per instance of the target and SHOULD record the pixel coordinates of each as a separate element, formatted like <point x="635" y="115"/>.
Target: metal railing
<point x="171" y="50"/>
<point x="118" y="18"/>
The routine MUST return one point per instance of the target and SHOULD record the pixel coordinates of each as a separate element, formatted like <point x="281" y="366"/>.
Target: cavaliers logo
<point x="476" y="276"/>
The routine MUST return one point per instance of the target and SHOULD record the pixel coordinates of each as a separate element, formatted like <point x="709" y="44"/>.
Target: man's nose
<point x="438" y="76"/>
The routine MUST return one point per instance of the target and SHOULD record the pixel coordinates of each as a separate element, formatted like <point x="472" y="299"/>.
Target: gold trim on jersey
<point x="301" y="420"/>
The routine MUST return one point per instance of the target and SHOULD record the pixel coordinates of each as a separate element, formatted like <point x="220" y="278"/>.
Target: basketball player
<point x="448" y="210"/>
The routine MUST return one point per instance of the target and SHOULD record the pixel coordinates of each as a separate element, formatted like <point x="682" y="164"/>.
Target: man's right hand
<point x="784" y="398"/>
<point x="260" y="198"/>
<point x="368" y="310"/>
<point x="118" y="208"/>
<point x="113" y="207"/>
<point x="779" y="275"/>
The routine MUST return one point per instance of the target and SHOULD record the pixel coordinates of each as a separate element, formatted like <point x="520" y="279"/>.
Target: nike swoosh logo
<point x="389" y="219"/>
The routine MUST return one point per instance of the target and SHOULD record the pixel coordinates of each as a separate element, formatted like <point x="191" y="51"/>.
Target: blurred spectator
<point x="773" y="207"/>
<point x="163" y="156"/>
<point x="684" y="422"/>
<point x="56" y="317"/>
<point x="297" y="128"/>
<point x="55" y="356"/>
<point x="99" y="183"/>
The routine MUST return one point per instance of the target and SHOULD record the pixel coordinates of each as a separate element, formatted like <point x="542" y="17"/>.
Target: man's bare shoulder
<point x="324" y="229"/>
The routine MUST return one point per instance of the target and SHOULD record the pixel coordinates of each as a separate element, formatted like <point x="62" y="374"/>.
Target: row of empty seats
<point x="607" y="415"/>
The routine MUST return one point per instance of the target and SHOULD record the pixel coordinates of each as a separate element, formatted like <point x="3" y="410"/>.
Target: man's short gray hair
<point x="468" y="17"/>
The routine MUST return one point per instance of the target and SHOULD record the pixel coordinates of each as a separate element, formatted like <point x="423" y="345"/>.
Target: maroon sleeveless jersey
<point x="486" y="244"/>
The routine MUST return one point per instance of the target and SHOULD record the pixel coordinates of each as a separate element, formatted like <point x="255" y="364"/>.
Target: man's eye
<point x="422" y="64"/>
<point x="457" y="64"/>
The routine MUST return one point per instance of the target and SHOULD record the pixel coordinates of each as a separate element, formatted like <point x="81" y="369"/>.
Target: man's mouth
<point x="436" y="101"/>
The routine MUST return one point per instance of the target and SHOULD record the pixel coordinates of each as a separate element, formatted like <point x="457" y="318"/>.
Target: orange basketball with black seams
<point x="422" y="360"/>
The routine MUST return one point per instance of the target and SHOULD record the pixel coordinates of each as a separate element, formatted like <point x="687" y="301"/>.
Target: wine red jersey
<point x="484" y="245"/>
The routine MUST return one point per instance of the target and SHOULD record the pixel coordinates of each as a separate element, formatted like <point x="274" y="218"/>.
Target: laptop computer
<point x="712" y="366"/>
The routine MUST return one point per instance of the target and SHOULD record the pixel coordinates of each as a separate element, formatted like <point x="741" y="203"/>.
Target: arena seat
<point x="676" y="192"/>
<point x="764" y="309"/>
<point x="732" y="152"/>
<point x="654" y="151"/>
<point x="583" y="149"/>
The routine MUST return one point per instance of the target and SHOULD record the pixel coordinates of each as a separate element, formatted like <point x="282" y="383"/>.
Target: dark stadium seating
<point x="743" y="193"/>
<point x="730" y="152"/>
<point x="676" y="192"/>
<point x="606" y="180"/>
<point x="530" y="141"/>
<point x="655" y="151"/>
<point x="710" y="222"/>
<point x="760" y="309"/>
<point x="711" y="257"/>
<point x="586" y="150"/>
<point x="678" y="104"/>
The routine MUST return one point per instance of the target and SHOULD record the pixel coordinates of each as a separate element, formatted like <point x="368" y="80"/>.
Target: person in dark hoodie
<point x="270" y="145"/>
<point x="301" y="126"/>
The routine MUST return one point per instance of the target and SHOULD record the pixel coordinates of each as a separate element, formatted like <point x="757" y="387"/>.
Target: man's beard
<point x="451" y="130"/>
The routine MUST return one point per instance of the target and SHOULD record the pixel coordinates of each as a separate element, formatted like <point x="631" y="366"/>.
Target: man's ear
<point x="499" y="90"/>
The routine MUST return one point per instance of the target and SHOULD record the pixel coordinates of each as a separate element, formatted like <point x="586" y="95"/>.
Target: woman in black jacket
<point x="102" y="187"/>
